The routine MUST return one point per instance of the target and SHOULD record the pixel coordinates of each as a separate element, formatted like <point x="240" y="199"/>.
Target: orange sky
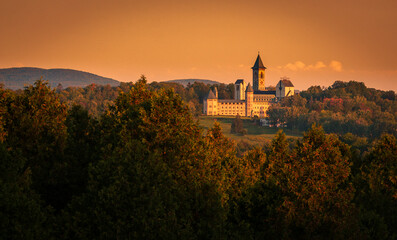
<point x="313" y="42"/>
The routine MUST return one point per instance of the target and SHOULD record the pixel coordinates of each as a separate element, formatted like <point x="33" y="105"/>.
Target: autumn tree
<point x="301" y="194"/>
<point x="5" y="97"/>
<point x="35" y="125"/>
<point x="256" y="213"/>
<point x="143" y="167"/>
<point x="157" y="159"/>
<point x="318" y="203"/>
<point x="377" y="185"/>
<point x="22" y="216"/>
<point x="35" y="121"/>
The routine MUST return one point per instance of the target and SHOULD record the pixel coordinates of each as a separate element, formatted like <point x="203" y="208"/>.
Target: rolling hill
<point x="18" y="78"/>
<point x="185" y="82"/>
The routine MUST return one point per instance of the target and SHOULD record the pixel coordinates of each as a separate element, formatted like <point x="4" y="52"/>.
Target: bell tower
<point x="258" y="77"/>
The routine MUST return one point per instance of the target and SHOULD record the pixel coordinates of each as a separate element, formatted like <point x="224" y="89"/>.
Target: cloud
<point x="298" y="65"/>
<point x="319" y="65"/>
<point x="336" y="66"/>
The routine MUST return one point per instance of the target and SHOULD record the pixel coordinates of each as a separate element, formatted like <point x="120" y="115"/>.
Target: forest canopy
<point x="140" y="167"/>
<point x="344" y="107"/>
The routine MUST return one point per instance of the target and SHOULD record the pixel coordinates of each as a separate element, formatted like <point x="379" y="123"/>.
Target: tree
<point x="237" y="126"/>
<point x="130" y="195"/>
<point x="255" y="214"/>
<point x="159" y="174"/>
<point x="377" y="185"/>
<point x="82" y="148"/>
<point x="35" y="121"/>
<point x="22" y="215"/>
<point x="35" y="126"/>
<point x="319" y="196"/>
<point x="5" y="97"/>
<point x="277" y="115"/>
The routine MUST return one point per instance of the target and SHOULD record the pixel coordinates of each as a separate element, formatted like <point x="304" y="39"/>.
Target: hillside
<point x="17" y="78"/>
<point x="256" y="135"/>
<point x="185" y="82"/>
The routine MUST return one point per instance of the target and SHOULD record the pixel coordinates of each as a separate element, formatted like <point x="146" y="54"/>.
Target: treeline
<point x="97" y="98"/>
<point x="343" y="108"/>
<point x="144" y="169"/>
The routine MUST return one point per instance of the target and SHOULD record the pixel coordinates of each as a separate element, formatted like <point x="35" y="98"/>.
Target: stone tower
<point x="249" y="101"/>
<point x="258" y="78"/>
<point x="239" y="89"/>
<point x="210" y="104"/>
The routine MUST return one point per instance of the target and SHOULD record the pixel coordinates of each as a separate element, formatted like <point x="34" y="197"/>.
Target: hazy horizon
<point x="311" y="42"/>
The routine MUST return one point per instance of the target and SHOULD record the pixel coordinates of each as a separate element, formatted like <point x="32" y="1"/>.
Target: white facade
<point x="248" y="101"/>
<point x="284" y="88"/>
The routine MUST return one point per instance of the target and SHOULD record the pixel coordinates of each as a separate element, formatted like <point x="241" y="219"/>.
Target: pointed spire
<point x="249" y="88"/>
<point x="258" y="63"/>
<point x="211" y="95"/>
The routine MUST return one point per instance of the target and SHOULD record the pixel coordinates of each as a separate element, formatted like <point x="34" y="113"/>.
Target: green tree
<point x="277" y="115"/>
<point x="377" y="185"/>
<point x="5" y="97"/>
<point x="256" y="213"/>
<point x="131" y="195"/>
<point x="22" y="215"/>
<point x="318" y="203"/>
<point x="82" y="148"/>
<point x="237" y="126"/>
<point x="35" y="126"/>
<point x="160" y="174"/>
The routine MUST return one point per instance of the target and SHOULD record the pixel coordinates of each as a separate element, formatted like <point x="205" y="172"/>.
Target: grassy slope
<point x="256" y="134"/>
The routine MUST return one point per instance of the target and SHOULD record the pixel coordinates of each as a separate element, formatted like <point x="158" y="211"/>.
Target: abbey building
<point x="249" y="100"/>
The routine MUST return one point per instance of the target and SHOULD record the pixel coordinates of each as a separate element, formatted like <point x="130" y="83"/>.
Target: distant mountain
<point x="185" y="82"/>
<point x="18" y="78"/>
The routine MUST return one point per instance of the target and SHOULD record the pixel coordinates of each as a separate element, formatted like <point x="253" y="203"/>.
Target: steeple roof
<point x="258" y="63"/>
<point x="249" y="88"/>
<point x="239" y="81"/>
<point x="211" y="95"/>
<point x="287" y="83"/>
